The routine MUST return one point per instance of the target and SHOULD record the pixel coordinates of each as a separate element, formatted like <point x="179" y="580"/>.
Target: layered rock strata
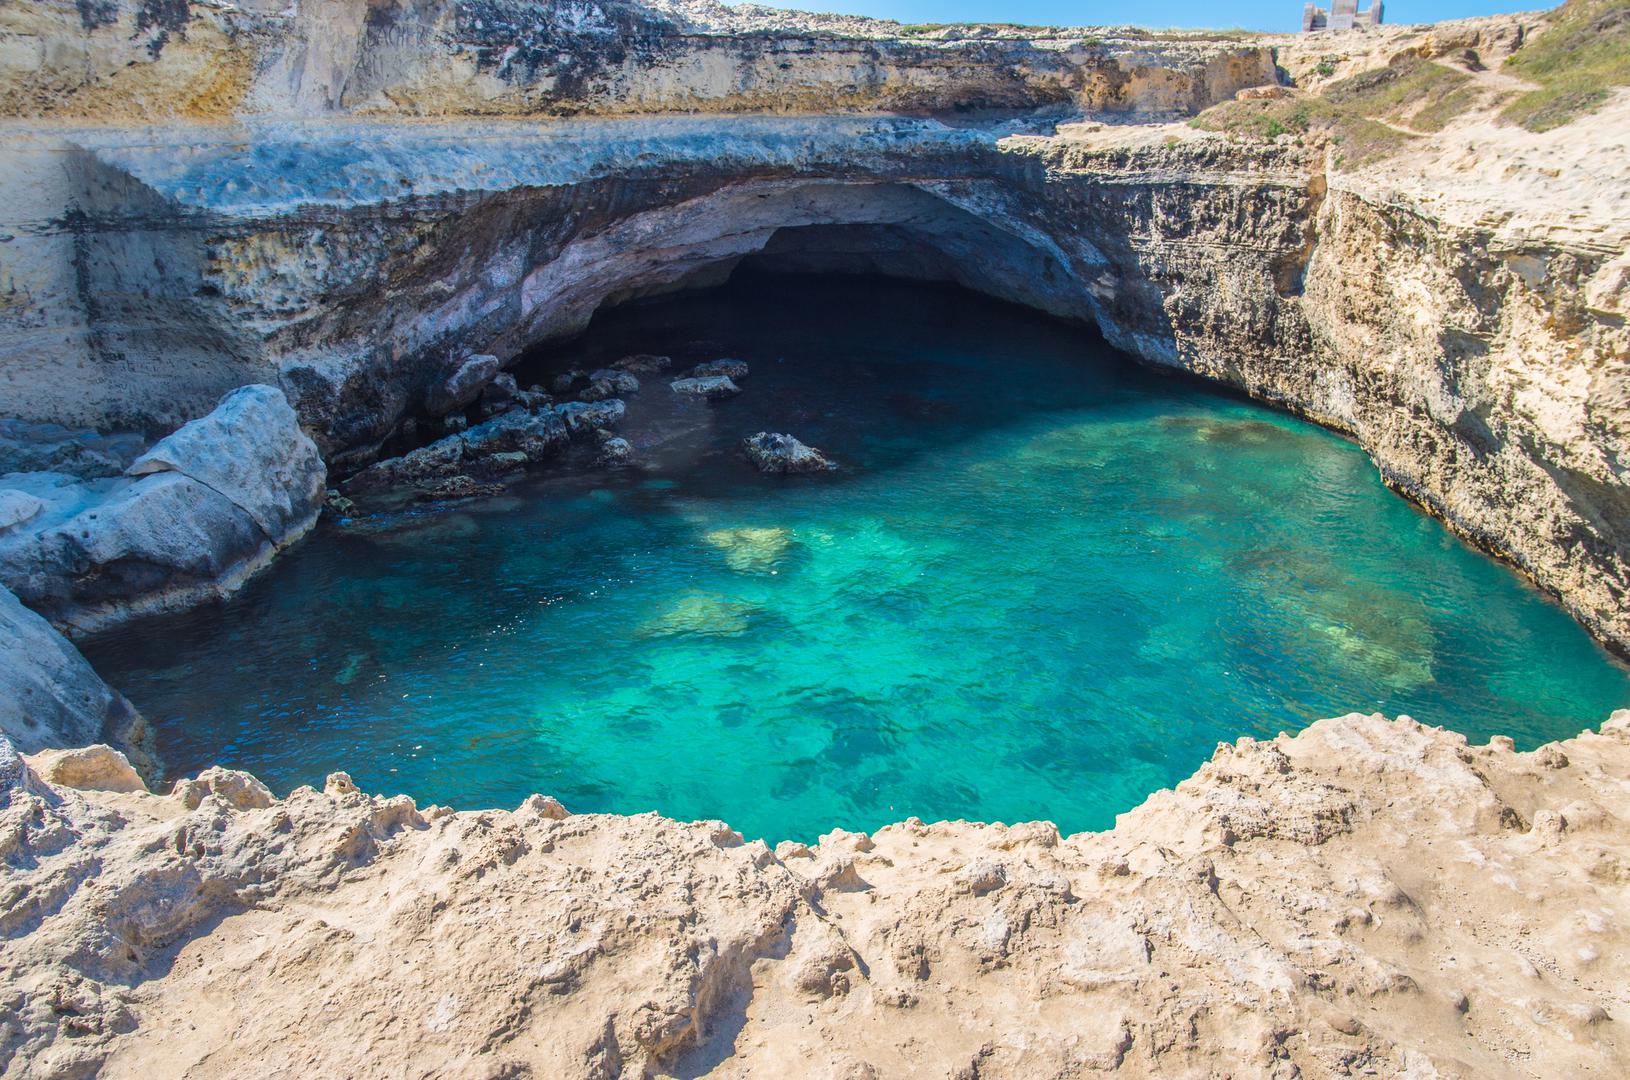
<point x="1469" y="332"/>
<point x="1369" y="897"/>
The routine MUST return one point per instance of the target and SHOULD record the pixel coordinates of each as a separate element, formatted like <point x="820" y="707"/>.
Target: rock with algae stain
<point x="751" y="549"/>
<point x="700" y="614"/>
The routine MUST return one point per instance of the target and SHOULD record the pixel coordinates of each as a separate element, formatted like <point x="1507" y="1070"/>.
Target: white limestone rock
<point x="17" y="507"/>
<point x="87" y="768"/>
<point x="249" y="449"/>
<point x="1364" y="891"/>
<point x="49" y="694"/>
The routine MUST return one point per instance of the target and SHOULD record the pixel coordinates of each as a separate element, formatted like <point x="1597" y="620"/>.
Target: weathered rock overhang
<point x="355" y="265"/>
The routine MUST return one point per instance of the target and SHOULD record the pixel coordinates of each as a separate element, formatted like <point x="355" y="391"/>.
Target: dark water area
<point x="1044" y="583"/>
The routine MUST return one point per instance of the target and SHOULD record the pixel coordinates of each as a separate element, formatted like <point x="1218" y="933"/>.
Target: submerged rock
<point x="772" y="452"/>
<point x="463" y="386"/>
<point x="459" y="487"/>
<point x="751" y="549"/>
<point x="700" y="614"/>
<point x="644" y="364"/>
<point x="712" y="387"/>
<point x="730" y="369"/>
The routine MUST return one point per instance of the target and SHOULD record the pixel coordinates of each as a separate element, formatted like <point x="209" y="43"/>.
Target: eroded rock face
<point x="49" y="695"/>
<point x="1467" y="333"/>
<point x="196" y="515"/>
<point x="1369" y="895"/>
<point x="462" y="386"/>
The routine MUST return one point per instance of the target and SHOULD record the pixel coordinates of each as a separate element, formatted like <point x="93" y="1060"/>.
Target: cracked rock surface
<point x="1370" y="897"/>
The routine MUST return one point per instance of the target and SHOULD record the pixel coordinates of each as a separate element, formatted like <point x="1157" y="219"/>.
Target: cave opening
<point x="1041" y="582"/>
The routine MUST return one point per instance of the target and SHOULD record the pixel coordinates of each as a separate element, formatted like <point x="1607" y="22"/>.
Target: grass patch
<point x="1357" y="113"/>
<point x="1358" y="138"/>
<point x="1392" y="92"/>
<point x="1435" y="115"/>
<point x="1576" y="63"/>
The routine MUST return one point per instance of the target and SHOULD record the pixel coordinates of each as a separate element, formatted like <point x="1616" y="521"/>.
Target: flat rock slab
<point x="712" y="387"/>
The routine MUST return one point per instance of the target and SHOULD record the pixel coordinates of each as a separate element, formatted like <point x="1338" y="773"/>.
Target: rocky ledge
<point x="1370" y="897"/>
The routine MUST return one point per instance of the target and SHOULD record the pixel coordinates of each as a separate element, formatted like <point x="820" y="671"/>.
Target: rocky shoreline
<point x="1369" y="897"/>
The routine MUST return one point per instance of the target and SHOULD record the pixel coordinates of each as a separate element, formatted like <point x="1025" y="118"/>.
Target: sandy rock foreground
<point x="1371" y="897"/>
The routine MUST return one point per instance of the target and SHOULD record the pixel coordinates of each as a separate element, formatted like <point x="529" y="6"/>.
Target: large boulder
<point x="49" y="694"/>
<point x="773" y="452"/>
<point x="194" y="516"/>
<point x="163" y="543"/>
<point x="251" y="450"/>
<point x="463" y="386"/>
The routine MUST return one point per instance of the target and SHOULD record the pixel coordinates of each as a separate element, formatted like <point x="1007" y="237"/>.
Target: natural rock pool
<point x="1044" y="583"/>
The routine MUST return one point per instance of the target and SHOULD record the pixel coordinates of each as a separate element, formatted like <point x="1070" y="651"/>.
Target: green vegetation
<point x="1576" y="63"/>
<point x="1391" y="93"/>
<point x="1325" y="69"/>
<point x="1369" y="115"/>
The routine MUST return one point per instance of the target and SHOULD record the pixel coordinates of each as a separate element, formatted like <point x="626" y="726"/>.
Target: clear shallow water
<point x="1045" y="583"/>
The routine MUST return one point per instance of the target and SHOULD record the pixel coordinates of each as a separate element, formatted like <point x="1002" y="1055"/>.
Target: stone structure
<point x="1343" y="15"/>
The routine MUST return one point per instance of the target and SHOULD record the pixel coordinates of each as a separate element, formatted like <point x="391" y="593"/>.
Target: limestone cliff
<point x="349" y="199"/>
<point x="1368" y="898"/>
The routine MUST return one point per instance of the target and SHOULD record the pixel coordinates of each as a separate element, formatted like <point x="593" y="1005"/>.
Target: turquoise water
<point x="1044" y="584"/>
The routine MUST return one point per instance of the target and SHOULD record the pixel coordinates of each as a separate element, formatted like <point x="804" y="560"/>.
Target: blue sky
<point x="1221" y="14"/>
